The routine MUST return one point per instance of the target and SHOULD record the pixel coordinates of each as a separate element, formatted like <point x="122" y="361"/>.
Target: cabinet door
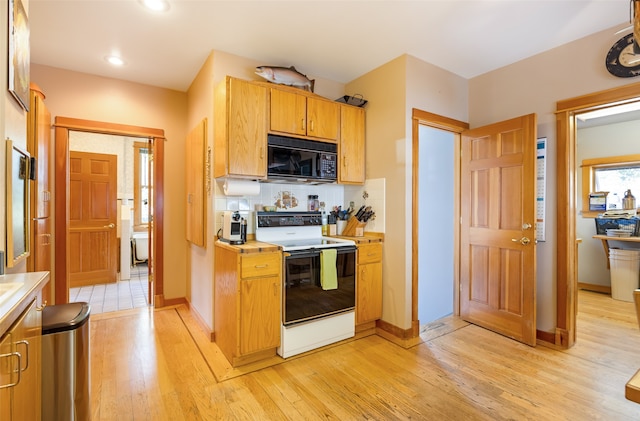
<point x="369" y="293"/>
<point x="288" y="112"/>
<point x="260" y="314"/>
<point x="323" y="119"/>
<point x="352" y="137"/>
<point x="247" y="129"/>
<point x="8" y="363"/>
<point x="27" y="341"/>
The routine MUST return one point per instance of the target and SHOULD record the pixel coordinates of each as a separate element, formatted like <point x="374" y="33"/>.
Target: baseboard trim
<point x="202" y="324"/>
<point x="401" y="337"/>
<point x="595" y="287"/>
<point x="176" y="302"/>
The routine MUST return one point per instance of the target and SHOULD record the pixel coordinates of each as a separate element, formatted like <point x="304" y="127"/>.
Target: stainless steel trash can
<point x="65" y="362"/>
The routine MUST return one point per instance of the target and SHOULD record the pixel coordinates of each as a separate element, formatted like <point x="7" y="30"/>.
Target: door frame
<point x="63" y="125"/>
<point x="567" y="270"/>
<point x="455" y="127"/>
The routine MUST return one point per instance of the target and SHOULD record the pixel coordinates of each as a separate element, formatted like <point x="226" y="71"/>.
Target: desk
<point x="605" y="243"/>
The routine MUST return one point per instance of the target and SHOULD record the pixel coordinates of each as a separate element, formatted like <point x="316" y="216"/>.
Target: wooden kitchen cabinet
<point x="247" y="297"/>
<point x="369" y="283"/>
<point x="39" y="145"/>
<point x="22" y="400"/>
<point x="351" y="150"/>
<point x="302" y="114"/>
<point x="240" y="129"/>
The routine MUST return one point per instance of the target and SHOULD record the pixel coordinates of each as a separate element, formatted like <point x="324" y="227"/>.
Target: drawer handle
<point x="261" y="266"/>
<point x="13" y="354"/>
<point x="26" y="346"/>
<point x="371" y="254"/>
<point x="42" y="306"/>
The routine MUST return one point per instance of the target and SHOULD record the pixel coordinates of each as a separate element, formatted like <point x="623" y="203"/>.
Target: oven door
<point x="304" y="299"/>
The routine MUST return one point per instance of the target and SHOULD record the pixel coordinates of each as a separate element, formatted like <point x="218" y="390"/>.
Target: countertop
<point x="368" y="238"/>
<point x="12" y="306"/>
<point x="252" y="246"/>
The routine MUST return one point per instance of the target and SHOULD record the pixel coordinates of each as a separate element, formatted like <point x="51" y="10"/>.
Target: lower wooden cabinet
<point x="247" y="303"/>
<point x="369" y="283"/>
<point x="20" y="378"/>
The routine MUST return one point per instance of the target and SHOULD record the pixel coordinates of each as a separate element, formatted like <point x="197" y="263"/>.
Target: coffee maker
<point x="234" y="228"/>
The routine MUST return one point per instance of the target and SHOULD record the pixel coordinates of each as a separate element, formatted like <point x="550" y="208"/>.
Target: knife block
<point x="354" y="228"/>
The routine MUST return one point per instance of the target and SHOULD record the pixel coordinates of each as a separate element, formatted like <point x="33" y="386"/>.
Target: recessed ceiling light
<point x="115" y="60"/>
<point x="156" y="5"/>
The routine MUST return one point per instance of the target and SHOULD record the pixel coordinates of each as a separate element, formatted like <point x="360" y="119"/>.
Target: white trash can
<point x="625" y="273"/>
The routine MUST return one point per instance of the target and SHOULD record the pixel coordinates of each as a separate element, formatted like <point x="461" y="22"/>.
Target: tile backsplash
<point x="293" y="197"/>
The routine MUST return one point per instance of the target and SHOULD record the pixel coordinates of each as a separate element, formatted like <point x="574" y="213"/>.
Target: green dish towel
<point x="328" y="273"/>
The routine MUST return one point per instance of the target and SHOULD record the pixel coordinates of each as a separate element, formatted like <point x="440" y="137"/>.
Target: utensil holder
<point x="354" y="228"/>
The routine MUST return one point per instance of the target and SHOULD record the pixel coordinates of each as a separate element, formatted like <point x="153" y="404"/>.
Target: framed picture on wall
<point x="17" y="204"/>
<point x="19" y="53"/>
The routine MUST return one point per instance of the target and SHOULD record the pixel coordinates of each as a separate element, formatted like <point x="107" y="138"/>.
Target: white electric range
<point x="317" y="310"/>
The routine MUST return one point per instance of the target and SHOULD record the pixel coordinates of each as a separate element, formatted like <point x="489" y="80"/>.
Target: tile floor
<point x="122" y="295"/>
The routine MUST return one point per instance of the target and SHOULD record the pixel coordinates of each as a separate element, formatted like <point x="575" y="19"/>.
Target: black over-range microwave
<point x="291" y="159"/>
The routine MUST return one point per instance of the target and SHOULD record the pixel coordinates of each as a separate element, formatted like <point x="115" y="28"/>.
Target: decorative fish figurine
<point x="286" y="76"/>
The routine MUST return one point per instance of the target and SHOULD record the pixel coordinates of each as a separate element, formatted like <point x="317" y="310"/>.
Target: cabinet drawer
<point x="369" y="253"/>
<point x="260" y="264"/>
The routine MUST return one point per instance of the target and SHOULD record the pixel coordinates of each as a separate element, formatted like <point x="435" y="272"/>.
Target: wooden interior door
<point x="93" y="246"/>
<point x="498" y="252"/>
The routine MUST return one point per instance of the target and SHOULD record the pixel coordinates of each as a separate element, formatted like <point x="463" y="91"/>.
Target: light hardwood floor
<point x="154" y="365"/>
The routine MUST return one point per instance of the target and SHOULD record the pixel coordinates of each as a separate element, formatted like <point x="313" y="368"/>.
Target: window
<point x="614" y="174"/>
<point x="141" y="185"/>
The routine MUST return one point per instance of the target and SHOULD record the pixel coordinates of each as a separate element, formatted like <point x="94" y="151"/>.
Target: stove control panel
<point x="287" y="219"/>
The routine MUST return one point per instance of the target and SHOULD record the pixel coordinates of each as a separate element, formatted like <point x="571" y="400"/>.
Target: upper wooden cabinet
<point x="196" y="152"/>
<point x="245" y="112"/>
<point x="351" y="149"/>
<point x="303" y="115"/>
<point x="240" y="129"/>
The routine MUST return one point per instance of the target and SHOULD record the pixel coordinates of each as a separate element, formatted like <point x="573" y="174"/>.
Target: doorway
<point x="566" y="274"/>
<point x="63" y="127"/>
<point x="426" y="123"/>
<point x="436" y="231"/>
<point x="109" y="186"/>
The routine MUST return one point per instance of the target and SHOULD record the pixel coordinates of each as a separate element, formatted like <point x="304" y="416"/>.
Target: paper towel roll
<point x="234" y="187"/>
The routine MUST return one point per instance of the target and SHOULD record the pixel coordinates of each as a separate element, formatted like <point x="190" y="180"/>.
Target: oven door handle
<point x="302" y="254"/>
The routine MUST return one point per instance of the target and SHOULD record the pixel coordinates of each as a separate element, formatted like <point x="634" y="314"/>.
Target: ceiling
<point x="336" y="40"/>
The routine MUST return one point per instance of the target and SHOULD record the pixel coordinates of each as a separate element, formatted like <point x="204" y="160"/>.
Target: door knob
<point x="524" y="240"/>
<point x="526" y="226"/>
<point x="111" y="225"/>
